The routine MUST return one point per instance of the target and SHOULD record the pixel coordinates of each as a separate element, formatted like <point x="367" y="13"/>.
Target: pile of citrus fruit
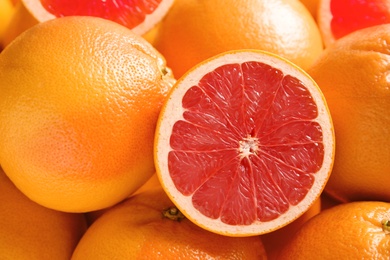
<point x="183" y="129"/>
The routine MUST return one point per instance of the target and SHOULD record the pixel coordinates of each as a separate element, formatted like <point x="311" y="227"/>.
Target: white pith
<point x="37" y="10"/>
<point x="154" y="18"/>
<point x="324" y="22"/>
<point x="172" y="112"/>
<point x="248" y="146"/>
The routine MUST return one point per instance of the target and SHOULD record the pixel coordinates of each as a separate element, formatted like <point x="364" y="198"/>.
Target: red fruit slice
<point x="337" y="18"/>
<point x="244" y="143"/>
<point x="139" y="15"/>
<point x="352" y="15"/>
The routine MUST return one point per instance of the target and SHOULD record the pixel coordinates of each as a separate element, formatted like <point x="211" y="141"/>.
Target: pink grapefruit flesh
<point x="232" y="142"/>
<point x="138" y="15"/>
<point x="352" y="15"/>
<point x="244" y="142"/>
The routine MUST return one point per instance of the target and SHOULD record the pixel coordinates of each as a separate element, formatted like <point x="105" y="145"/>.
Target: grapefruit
<point x="149" y="226"/>
<point x="354" y="76"/>
<point x="30" y="231"/>
<point x="195" y="30"/>
<point x="139" y="16"/>
<point x="244" y="143"/>
<point x="337" y="18"/>
<point x="79" y="101"/>
<point x="354" y="230"/>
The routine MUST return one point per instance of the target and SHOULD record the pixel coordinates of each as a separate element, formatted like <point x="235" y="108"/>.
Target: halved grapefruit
<point x="337" y="18"/>
<point x="138" y="15"/>
<point x="244" y="143"/>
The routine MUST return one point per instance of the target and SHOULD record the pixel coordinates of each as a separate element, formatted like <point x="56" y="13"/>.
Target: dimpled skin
<point x="274" y="241"/>
<point x="79" y="102"/>
<point x="353" y="76"/>
<point x="136" y="229"/>
<point x="283" y="27"/>
<point x="30" y="231"/>
<point x="347" y="231"/>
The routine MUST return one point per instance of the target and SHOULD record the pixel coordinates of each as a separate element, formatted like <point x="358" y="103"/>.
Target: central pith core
<point x="248" y="146"/>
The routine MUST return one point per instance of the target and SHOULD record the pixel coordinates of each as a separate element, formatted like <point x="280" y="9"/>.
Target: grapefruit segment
<point x="244" y="143"/>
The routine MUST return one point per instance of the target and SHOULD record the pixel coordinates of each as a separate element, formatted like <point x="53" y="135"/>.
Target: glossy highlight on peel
<point x="359" y="100"/>
<point x="78" y="112"/>
<point x="283" y="27"/>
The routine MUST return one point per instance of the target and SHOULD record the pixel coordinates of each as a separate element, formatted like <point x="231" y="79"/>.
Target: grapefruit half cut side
<point x="138" y="15"/>
<point x="244" y="143"/>
<point x="337" y="18"/>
